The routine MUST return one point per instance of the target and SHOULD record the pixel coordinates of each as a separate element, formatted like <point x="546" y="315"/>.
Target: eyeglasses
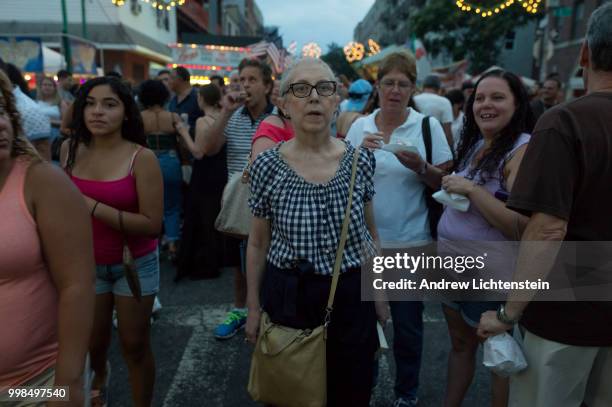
<point x="303" y="90"/>
<point x="388" y="84"/>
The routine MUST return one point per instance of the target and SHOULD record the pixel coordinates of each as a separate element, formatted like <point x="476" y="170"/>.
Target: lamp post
<point x="65" y="40"/>
<point x="83" y="19"/>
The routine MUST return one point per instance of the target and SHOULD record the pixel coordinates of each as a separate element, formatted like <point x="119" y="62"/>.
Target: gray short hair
<point x="289" y="74"/>
<point x="599" y="37"/>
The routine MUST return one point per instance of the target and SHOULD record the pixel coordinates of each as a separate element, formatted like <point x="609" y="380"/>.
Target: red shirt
<point x="274" y="133"/>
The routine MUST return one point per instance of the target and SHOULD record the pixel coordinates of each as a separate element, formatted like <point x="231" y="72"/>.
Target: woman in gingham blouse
<point x="306" y="218"/>
<point x="299" y="192"/>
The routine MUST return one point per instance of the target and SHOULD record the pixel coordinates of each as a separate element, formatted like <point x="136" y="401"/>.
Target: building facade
<point x="129" y="39"/>
<point x="199" y="16"/>
<point x="567" y="21"/>
<point x="387" y="22"/>
<point x="242" y="18"/>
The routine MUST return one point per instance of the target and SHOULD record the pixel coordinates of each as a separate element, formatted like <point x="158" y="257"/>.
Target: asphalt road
<point x="194" y="369"/>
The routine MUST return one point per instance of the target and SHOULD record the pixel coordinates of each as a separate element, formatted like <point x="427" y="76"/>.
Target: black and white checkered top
<point x="306" y="219"/>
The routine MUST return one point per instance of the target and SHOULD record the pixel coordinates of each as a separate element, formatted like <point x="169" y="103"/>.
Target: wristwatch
<point x="503" y="317"/>
<point x="423" y="170"/>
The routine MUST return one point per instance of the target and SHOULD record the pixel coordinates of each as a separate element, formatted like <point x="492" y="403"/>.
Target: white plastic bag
<point x="455" y="201"/>
<point x="186" y="170"/>
<point x="503" y="355"/>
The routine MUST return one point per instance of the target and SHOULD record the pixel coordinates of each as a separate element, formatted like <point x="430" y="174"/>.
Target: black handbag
<point x="434" y="208"/>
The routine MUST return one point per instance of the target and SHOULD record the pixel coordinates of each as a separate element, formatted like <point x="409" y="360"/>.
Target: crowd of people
<point x="100" y="184"/>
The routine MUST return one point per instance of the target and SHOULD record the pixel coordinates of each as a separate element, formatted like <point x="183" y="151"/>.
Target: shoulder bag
<point x="289" y="366"/>
<point x="234" y="219"/>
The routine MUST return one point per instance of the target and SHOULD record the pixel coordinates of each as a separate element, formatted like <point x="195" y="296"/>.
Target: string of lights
<point x="530" y="6"/>
<point x="157" y="4"/>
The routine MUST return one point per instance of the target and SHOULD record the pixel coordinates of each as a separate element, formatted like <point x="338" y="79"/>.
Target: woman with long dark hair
<point x="201" y="253"/>
<point x="162" y="138"/>
<point x="494" y="138"/>
<point x="123" y="187"/>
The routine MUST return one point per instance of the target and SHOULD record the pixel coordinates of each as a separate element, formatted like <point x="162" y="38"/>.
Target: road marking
<point x="194" y="366"/>
<point x="197" y="366"/>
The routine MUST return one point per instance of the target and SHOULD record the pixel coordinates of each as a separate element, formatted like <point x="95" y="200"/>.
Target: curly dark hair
<point x="21" y="146"/>
<point x="153" y="93"/>
<point x="522" y="121"/>
<point x="132" y="128"/>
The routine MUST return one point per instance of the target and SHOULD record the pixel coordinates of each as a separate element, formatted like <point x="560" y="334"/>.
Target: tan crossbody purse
<point x="289" y="368"/>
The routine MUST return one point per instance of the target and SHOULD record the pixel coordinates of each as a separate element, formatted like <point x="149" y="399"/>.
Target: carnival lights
<point x="156" y="4"/>
<point x="530" y="6"/>
<point x="211" y="47"/>
<point x="374" y="47"/>
<point x="354" y="51"/>
<point x="312" y="50"/>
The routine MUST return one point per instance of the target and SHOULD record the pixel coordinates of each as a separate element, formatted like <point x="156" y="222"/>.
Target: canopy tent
<point x="368" y="67"/>
<point x="53" y="61"/>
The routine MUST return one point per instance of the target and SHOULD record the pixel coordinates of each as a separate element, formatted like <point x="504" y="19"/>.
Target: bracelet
<point x="93" y="210"/>
<point x="424" y="169"/>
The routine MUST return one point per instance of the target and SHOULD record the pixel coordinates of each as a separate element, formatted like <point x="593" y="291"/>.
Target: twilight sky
<point x="321" y="21"/>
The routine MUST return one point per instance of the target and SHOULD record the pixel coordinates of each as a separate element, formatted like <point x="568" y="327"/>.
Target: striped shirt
<point x="239" y="133"/>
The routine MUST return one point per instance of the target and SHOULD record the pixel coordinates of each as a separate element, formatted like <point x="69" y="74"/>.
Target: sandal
<point x="99" y="397"/>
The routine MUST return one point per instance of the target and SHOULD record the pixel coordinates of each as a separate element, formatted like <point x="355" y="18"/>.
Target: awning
<point x="53" y="61"/>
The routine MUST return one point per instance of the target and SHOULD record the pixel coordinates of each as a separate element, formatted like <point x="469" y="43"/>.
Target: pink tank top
<point x="28" y="297"/>
<point x="120" y="194"/>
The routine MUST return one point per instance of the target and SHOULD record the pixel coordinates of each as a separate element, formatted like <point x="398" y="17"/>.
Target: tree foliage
<point x="463" y="35"/>
<point x="337" y="61"/>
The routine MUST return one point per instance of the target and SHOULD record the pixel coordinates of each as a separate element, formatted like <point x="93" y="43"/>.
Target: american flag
<point x="264" y="48"/>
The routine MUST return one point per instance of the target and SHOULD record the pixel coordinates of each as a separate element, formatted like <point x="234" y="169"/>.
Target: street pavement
<point x="195" y="369"/>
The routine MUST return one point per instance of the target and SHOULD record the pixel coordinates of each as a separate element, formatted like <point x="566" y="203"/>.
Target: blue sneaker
<point x="232" y="324"/>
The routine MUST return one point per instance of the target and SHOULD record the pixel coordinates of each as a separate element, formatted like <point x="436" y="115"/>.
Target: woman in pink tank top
<point x="123" y="188"/>
<point x="46" y="266"/>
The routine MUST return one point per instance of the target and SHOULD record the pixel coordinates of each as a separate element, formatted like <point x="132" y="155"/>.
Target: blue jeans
<point x="407" y="346"/>
<point x="173" y="179"/>
<point x="110" y="278"/>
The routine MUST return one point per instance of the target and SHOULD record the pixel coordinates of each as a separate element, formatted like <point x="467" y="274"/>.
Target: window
<point x="509" y="40"/>
<point x="162" y="19"/>
<point x="135" y="7"/>
<point x="577" y="19"/>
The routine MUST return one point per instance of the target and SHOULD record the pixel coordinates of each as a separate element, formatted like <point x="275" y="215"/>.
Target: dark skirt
<point x="201" y="249"/>
<point x="297" y="298"/>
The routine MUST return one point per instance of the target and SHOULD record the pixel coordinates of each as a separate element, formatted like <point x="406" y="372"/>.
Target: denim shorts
<point x="110" y="278"/>
<point x="472" y="310"/>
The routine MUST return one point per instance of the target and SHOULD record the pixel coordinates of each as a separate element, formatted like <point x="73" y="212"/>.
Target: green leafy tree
<point x="337" y="61"/>
<point x="466" y="35"/>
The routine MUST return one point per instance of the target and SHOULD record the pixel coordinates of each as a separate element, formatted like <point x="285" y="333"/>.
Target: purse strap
<point x="343" y="236"/>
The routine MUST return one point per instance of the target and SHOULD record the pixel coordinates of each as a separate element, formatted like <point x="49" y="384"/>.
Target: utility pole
<point x="83" y="19"/>
<point x="65" y="39"/>
<point x="544" y="44"/>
